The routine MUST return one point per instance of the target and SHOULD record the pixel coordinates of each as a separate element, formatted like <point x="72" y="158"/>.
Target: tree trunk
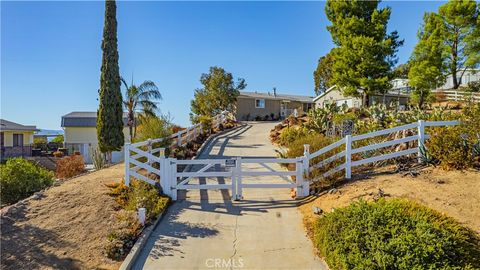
<point x="364" y="99"/>
<point x="454" y="77"/>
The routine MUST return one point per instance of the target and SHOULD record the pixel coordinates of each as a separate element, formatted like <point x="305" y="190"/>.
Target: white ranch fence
<point x="142" y="160"/>
<point x="417" y="133"/>
<point x="173" y="175"/>
<point x="454" y="95"/>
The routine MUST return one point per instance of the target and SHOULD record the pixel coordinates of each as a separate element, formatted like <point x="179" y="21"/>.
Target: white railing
<point x="142" y="156"/>
<point x="418" y="134"/>
<point x="454" y="95"/>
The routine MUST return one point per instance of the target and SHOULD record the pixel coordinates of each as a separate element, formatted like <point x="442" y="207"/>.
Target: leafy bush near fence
<point x="394" y="234"/>
<point x="292" y="134"/>
<point x="138" y="195"/>
<point x="316" y="141"/>
<point x="70" y="166"/>
<point x="20" y="178"/>
<point x="457" y="147"/>
<point x="154" y="127"/>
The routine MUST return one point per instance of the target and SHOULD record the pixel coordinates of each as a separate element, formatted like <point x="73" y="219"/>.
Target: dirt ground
<point x="65" y="228"/>
<point x="454" y="193"/>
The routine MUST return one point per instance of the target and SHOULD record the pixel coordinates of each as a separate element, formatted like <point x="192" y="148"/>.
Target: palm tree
<point x="141" y="99"/>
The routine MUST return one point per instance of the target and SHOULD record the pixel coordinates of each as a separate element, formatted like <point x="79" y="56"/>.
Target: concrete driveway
<point x="209" y="231"/>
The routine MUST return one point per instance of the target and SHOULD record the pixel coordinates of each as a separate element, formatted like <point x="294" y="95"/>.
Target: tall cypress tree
<point x="110" y="113"/>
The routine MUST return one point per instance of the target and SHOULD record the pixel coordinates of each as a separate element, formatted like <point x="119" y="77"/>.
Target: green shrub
<point x="153" y="127"/>
<point x="58" y="139"/>
<point x="456" y="147"/>
<point x="138" y="195"/>
<point x="394" y="234"/>
<point x="206" y="122"/>
<point x="20" y="178"/>
<point x="291" y="134"/>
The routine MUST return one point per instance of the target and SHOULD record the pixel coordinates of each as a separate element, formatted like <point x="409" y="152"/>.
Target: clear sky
<point x="51" y="56"/>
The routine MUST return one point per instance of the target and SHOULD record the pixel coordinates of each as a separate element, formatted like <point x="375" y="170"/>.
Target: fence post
<point x="149" y="147"/>
<point x="306" y="169"/>
<point x="306" y="158"/>
<point x="421" y="138"/>
<point x="348" y="156"/>
<point x="299" y="178"/>
<point x="126" y="150"/>
<point x="173" y="178"/>
<point x="238" y="178"/>
<point x="164" y="171"/>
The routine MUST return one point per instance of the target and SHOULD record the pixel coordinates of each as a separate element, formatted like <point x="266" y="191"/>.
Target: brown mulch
<point x="64" y="227"/>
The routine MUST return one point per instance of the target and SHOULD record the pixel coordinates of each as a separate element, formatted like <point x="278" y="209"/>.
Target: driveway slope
<point x="207" y="230"/>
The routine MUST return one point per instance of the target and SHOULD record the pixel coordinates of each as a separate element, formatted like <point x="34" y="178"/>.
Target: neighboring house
<point x="334" y="95"/>
<point x="470" y="75"/>
<point x="400" y="85"/>
<point x="81" y="134"/>
<point x="15" y="139"/>
<point x="252" y="105"/>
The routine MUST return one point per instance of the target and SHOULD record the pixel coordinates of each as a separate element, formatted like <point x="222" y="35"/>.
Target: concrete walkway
<point x="209" y="231"/>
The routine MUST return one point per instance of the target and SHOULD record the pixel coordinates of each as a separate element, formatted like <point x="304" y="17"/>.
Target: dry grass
<point x="64" y="229"/>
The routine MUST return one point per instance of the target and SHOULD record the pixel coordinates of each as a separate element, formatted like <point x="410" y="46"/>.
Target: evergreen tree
<point x="366" y="53"/>
<point x="110" y="113"/>
<point x="322" y="76"/>
<point x="427" y="68"/>
<point x="448" y="43"/>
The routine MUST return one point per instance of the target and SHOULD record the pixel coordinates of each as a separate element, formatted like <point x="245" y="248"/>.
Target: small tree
<point x="219" y="93"/>
<point x="110" y="113"/>
<point x="140" y="98"/>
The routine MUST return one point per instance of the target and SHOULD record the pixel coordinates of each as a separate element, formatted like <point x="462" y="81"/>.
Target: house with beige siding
<point x="81" y="134"/>
<point x="16" y="140"/>
<point x="334" y="95"/>
<point x="262" y="106"/>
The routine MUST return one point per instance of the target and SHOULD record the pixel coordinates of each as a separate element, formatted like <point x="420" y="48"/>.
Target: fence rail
<point x="152" y="166"/>
<point x="142" y="159"/>
<point x="454" y="95"/>
<point x="419" y="135"/>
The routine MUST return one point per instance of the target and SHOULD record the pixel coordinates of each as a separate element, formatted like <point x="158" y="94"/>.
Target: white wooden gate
<point x="212" y="170"/>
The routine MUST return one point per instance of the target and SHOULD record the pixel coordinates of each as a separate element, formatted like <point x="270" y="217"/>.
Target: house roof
<point x="305" y="99"/>
<point x="6" y="125"/>
<point x="84" y="119"/>
<point x="324" y="93"/>
<point x="393" y="93"/>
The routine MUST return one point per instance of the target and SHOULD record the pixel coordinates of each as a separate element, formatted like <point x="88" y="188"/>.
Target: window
<point x="17" y="139"/>
<point x="2" y="139"/>
<point x="260" y="103"/>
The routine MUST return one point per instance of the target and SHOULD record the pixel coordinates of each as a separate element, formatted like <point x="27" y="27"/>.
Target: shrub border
<point x="132" y="256"/>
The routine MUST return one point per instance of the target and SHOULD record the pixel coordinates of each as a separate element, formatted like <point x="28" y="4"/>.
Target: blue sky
<point x="51" y="56"/>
